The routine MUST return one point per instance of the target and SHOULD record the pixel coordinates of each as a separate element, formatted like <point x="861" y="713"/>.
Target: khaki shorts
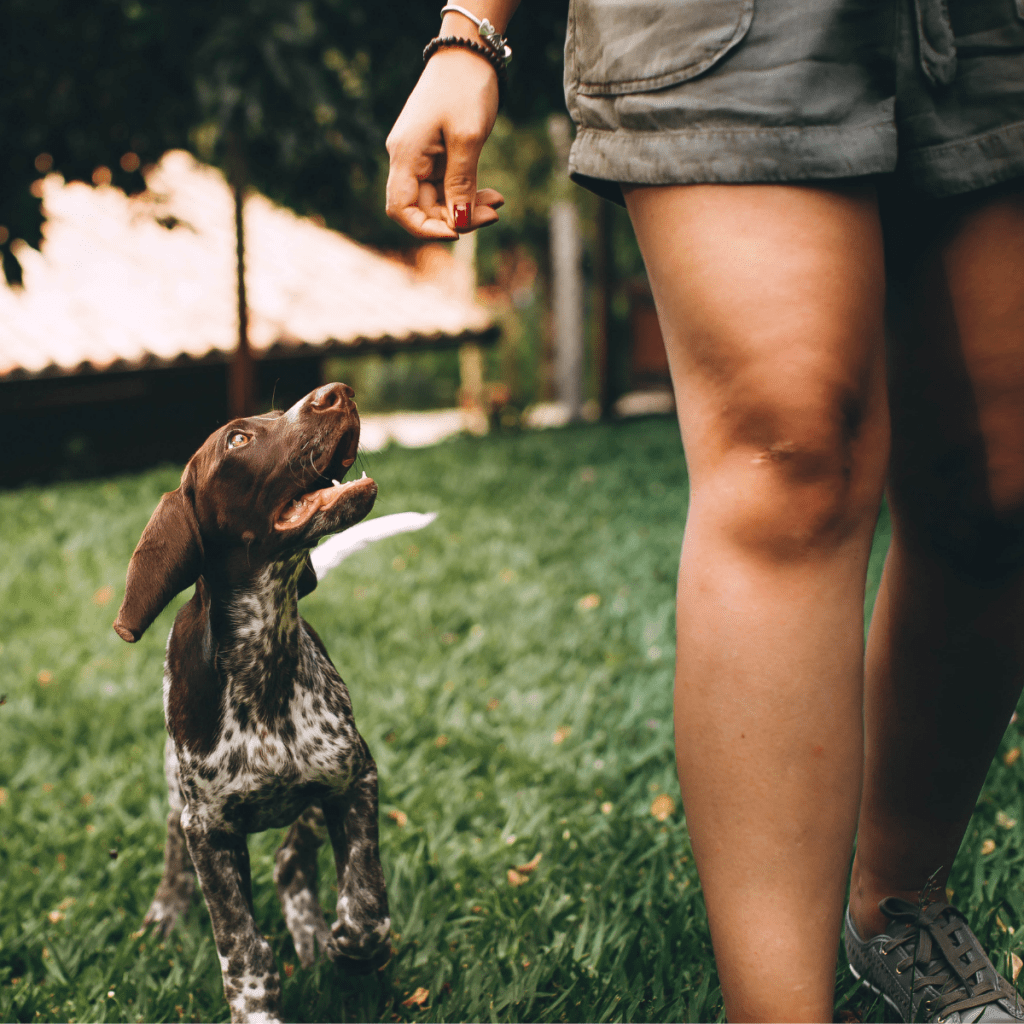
<point x="732" y="91"/>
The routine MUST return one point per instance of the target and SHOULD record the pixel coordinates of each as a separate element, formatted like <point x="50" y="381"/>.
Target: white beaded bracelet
<point x="494" y="39"/>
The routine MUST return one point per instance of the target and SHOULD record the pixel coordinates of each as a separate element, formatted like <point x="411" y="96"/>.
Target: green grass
<point x="508" y="718"/>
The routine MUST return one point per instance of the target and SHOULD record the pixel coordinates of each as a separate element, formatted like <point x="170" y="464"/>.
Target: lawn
<point x="510" y="668"/>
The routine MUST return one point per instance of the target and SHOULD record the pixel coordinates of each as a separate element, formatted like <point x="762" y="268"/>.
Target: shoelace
<point x="945" y="957"/>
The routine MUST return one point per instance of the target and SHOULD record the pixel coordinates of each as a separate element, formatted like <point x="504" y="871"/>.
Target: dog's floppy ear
<point x="167" y="559"/>
<point x="307" y="581"/>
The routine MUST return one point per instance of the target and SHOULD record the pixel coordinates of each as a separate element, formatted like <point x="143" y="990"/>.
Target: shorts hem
<point x="601" y="159"/>
<point x="966" y="165"/>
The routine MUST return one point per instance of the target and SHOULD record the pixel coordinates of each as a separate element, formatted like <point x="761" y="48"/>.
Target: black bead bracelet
<point x="491" y="56"/>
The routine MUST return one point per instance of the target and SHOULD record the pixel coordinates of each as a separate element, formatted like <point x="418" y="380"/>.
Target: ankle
<point x="866" y="892"/>
<point x="868" y="920"/>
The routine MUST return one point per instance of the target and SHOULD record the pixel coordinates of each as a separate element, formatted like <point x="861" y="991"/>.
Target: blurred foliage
<point x="308" y="87"/>
<point x="405" y="380"/>
<point x="513" y="255"/>
<point x="520" y="163"/>
<point x="418" y="380"/>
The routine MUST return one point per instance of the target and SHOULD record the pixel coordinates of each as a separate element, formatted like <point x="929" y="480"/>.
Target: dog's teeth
<point x="337" y="483"/>
<point x="363" y="477"/>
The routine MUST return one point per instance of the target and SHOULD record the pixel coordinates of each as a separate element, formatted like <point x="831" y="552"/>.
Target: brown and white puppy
<point x="260" y="724"/>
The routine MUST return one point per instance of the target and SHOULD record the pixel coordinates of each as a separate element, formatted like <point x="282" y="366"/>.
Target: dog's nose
<point x="330" y="396"/>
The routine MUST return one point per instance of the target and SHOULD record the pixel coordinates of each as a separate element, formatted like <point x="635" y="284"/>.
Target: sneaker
<point x="929" y="966"/>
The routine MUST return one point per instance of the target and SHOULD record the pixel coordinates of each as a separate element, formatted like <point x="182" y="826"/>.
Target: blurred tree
<point x="294" y="96"/>
<point x="97" y="90"/>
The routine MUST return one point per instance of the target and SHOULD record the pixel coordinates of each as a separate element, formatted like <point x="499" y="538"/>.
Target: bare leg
<point x="771" y="301"/>
<point x="946" y="650"/>
<point x="360" y="935"/>
<point x="295" y="873"/>
<point x="177" y="886"/>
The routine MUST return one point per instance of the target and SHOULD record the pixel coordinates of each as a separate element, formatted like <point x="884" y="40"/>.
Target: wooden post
<point x="241" y="374"/>
<point x="566" y="281"/>
<point x="471" y="359"/>
<point x="604" y="289"/>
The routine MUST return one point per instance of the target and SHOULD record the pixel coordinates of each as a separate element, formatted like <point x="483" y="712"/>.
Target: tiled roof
<point x="125" y="282"/>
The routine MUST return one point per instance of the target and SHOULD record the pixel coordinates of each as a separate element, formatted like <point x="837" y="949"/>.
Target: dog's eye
<point x="237" y="440"/>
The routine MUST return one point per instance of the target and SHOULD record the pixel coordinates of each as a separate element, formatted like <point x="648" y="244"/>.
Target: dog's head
<point x="260" y="490"/>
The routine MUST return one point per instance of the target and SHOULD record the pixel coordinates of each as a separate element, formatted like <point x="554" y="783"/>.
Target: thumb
<point x="463" y="154"/>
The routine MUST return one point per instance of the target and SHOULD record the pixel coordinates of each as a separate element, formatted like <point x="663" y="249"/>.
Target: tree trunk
<point x="567" y="303"/>
<point x="242" y="375"/>
<point x="604" y="288"/>
<point x="566" y="280"/>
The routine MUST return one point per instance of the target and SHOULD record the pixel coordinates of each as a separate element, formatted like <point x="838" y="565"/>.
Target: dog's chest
<point x="273" y="759"/>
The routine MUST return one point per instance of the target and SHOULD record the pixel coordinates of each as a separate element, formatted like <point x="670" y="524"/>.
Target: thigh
<point x="957" y="371"/>
<point x="771" y="301"/>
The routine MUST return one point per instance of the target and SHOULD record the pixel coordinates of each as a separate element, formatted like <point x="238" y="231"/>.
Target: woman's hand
<point x="435" y="146"/>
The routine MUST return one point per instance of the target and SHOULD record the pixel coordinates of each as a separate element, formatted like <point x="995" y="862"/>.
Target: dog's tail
<point x="336" y="549"/>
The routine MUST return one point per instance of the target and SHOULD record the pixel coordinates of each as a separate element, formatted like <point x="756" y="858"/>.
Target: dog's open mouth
<point x="300" y="510"/>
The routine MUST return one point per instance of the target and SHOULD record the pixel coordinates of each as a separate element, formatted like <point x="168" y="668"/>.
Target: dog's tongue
<point x="299" y="512"/>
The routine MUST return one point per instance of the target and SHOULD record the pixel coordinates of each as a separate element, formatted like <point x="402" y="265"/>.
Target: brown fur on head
<point x="260" y="489"/>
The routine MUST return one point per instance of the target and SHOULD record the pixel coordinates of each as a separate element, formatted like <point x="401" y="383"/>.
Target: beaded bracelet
<point x="491" y="56"/>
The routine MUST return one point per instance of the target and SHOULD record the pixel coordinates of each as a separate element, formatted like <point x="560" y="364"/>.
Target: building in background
<point x="114" y="354"/>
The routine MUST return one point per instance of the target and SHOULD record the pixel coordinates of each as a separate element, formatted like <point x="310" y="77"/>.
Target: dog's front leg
<point x="252" y="986"/>
<point x="360" y="935"/>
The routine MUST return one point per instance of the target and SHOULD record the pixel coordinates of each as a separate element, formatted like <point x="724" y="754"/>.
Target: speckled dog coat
<point x="260" y="725"/>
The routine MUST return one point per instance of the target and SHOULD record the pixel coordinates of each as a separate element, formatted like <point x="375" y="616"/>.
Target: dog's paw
<point x="161" y="926"/>
<point x="164" y="915"/>
<point x="171" y="902"/>
<point x="360" y="951"/>
<point x="351" y="960"/>
<point x="311" y="946"/>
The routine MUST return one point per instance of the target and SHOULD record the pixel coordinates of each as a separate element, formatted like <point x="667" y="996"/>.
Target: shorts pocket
<point x="625" y="46"/>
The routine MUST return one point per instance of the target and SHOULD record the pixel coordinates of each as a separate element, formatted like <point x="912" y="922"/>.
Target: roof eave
<point x="383" y="345"/>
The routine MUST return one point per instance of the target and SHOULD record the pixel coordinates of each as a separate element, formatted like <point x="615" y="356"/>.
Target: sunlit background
<point x="158" y="155"/>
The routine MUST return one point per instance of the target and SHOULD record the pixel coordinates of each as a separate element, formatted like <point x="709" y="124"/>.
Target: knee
<point x="799" y="474"/>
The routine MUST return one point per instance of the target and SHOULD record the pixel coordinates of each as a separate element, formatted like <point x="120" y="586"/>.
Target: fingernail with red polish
<point x="461" y="215"/>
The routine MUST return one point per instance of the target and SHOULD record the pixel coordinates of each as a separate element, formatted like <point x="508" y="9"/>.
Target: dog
<point x="260" y="726"/>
